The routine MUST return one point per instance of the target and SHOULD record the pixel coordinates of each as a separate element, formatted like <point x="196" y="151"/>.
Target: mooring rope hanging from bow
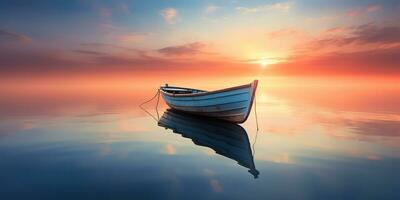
<point x="255" y="113"/>
<point x="158" y="99"/>
<point x="255" y="110"/>
<point x="254" y="144"/>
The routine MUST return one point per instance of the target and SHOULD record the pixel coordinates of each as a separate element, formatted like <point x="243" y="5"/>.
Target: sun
<point x="263" y="63"/>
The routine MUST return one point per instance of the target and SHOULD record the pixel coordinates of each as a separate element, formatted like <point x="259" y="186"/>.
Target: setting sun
<point x="263" y="63"/>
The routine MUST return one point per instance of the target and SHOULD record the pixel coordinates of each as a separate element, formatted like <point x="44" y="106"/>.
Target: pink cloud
<point x="12" y="36"/>
<point x="362" y="11"/>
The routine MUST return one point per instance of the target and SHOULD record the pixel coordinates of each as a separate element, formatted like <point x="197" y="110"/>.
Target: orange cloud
<point x="186" y="49"/>
<point x="285" y="32"/>
<point x="132" y="37"/>
<point x="372" y="62"/>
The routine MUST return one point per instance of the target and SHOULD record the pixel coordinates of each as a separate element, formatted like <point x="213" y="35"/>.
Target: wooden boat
<point x="226" y="139"/>
<point x="230" y="104"/>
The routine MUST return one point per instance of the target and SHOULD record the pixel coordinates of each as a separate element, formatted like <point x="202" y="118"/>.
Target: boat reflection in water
<point x="226" y="139"/>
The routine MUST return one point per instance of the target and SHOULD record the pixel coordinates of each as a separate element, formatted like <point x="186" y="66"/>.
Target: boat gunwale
<point x="202" y="93"/>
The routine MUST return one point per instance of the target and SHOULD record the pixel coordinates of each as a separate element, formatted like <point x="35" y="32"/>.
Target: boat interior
<point x="179" y="90"/>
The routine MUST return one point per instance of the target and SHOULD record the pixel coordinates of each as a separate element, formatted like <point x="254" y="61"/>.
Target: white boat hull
<point x="231" y="104"/>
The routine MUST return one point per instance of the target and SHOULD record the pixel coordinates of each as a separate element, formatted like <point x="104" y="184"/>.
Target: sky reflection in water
<point x="315" y="142"/>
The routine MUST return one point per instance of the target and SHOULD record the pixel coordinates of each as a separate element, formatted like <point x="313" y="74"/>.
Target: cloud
<point x="370" y="33"/>
<point x="362" y="11"/>
<point x="169" y="149"/>
<point x="284" y="6"/>
<point x="285" y="32"/>
<point x="182" y="50"/>
<point x="14" y="37"/>
<point x="377" y="128"/>
<point x="336" y="31"/>
<point x="89" y="52"/>
<point x="104" y="12"/>
<point x="370" y="62"/>
<point x="373" y="8"/>
<point x="49" y="62"/>
<point x="210" y="9"/>
<point x="169" y="15"/>
<point x="39" y="61"/>
<point x="132" y="37"/>
<point x="360" y="35"/>
<point x="124" y="8"/>
<point x="367" y="49"/>
<point x="27" y="61"/>
<point x="107" y="46"/>
<point x="362" y="38"/>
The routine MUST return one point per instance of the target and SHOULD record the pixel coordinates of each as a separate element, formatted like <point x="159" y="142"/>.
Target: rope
<point x="255" y="110"/>
<point x="158" y="98"/>
<point x="254" y="143"/>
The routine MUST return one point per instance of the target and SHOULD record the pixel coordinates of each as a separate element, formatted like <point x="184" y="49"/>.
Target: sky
<point x="220" y="37"/>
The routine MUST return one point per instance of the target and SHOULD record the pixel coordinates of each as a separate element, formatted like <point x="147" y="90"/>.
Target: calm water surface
<point x="314" y="143"/>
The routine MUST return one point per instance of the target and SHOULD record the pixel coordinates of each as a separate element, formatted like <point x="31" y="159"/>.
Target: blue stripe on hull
<point x="208" y="101"/>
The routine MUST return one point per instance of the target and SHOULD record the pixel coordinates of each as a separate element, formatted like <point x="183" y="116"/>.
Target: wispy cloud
<point x="366" y="34"/>
<point x="362" y="11"/>
<point x="186" y="49"/>
<point x="284" y="6"/>
<point x="285" y="32"/>
<point x="123" y="7"/>
<point x="169" y="15"/>
<point x="104" y="12"/>
<point x="132" y="37"/>
<point x="210" y="9"/>
<point x="15" y="37"/>
<point x="90" y="52"/>
<point x="43" y="62"/>
<point x="363" y="50"/>
<point x="367" y="62"/>
<point x="107" y="46"/>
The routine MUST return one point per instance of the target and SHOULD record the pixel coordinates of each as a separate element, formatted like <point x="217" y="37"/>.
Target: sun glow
<point x="262" y="62"/>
